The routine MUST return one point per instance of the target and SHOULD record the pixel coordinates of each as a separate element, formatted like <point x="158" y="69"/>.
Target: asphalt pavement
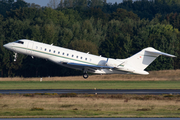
<point x="92" y="91"/>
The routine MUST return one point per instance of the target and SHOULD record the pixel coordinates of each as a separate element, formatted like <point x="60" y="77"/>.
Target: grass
<point x="89" y="106"/>
<point x="165" y="79"/>
<point x="163" y="75"/>
<point x="89" y="85"/>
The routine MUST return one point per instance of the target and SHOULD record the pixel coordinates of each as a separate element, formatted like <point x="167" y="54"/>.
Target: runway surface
<point x="92" y="119"/>
<point x="91" y="91"/>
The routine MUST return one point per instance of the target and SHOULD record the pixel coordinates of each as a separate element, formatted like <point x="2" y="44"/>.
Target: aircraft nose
<point x="7" y="46"/>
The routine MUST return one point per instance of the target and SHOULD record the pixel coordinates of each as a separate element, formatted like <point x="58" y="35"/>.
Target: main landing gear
<point x="85" y="75"/>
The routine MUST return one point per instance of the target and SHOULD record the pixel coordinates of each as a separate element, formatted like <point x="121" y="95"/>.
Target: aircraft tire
<point x="85" y="75"/>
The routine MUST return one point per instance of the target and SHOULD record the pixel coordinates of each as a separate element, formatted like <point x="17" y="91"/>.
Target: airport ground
<point x="166" y="79"/>
<point x="162" y="75"/>
<point x="89" y="105"/>
<point x="92" y="105"/>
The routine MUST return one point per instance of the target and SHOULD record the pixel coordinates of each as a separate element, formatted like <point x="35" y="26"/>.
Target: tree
<point x="117" y="42"/>
<point x="122" y="14"/>
<point x="84" y="46"/>
<point x="162" y="37"/>
<point x="97" y="14"/>
<point x="53" y="4"/>
<point x="33" y="5"/>
<point x="19" y="4"/>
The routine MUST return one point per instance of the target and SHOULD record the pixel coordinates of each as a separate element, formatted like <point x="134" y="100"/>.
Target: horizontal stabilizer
<point x="162" y="53"/>
<point x="157" y="52"/>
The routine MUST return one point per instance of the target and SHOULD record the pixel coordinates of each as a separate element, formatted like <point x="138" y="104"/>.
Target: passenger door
<point x="30" y="48"/>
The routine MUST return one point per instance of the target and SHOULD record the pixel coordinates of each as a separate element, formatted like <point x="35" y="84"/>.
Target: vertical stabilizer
<point x="144" y="58"/>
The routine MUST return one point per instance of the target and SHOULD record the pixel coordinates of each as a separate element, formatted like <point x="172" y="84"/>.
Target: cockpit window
<point x="21" y="42"/>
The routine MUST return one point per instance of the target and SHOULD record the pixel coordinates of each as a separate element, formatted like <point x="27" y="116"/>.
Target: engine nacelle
<point x="112" y="62"/>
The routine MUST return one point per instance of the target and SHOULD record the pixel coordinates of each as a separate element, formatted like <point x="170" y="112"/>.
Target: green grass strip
<point x="90" y="85"/>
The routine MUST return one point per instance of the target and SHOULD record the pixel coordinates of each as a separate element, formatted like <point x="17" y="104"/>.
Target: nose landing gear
<point x="15" y="56"/>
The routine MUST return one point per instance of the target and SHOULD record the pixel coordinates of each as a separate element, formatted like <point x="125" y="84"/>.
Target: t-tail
<point x="141" y="60"/>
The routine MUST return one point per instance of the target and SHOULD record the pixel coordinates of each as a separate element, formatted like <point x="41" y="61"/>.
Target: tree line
<point x="95" y="26"/>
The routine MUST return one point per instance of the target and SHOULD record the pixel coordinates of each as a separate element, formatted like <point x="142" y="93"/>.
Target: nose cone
<point x="7" y="46"/>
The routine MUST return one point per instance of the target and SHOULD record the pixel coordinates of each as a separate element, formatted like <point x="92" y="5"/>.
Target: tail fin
<point x="144" y="58"/>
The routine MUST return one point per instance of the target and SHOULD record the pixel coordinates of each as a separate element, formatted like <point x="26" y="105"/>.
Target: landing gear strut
<point x="85" y="75"/>
<point x="15" y="56"/>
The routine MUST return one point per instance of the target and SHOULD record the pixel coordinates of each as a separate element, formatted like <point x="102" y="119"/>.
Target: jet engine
<point x="112" y="62"/>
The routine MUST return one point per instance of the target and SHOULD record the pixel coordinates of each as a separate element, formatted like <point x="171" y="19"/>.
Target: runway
<point x="92" y="91"/>
<point x="90" y="119"/>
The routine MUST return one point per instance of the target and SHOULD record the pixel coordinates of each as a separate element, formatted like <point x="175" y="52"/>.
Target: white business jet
<point x="85" y="61"/>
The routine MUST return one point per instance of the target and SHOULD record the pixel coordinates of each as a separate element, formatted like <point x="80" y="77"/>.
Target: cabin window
<point x="41" y="48"/>
<point x="76" y="56"/>
<point x="49" y="50"/>
<point x="85" y="58"/>
<point x="67" y="54"/>
<point x="81" y="58"/>
<point x="63" y="54"/>
<point x="45" y="49"/>
<point x="58" y="52"/>
<point x="72" y="55"/>
<point x="54" y="51"/>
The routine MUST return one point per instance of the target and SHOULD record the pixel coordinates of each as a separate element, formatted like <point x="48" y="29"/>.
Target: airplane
<point x="85" y="61"/>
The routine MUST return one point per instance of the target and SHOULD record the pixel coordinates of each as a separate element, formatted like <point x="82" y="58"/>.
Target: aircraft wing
<point x="87" y="65"/>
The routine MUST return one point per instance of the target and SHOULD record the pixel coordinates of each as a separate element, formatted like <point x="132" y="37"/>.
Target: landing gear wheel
<point x="15" y="56"/>
<point x="85" y="75"/>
